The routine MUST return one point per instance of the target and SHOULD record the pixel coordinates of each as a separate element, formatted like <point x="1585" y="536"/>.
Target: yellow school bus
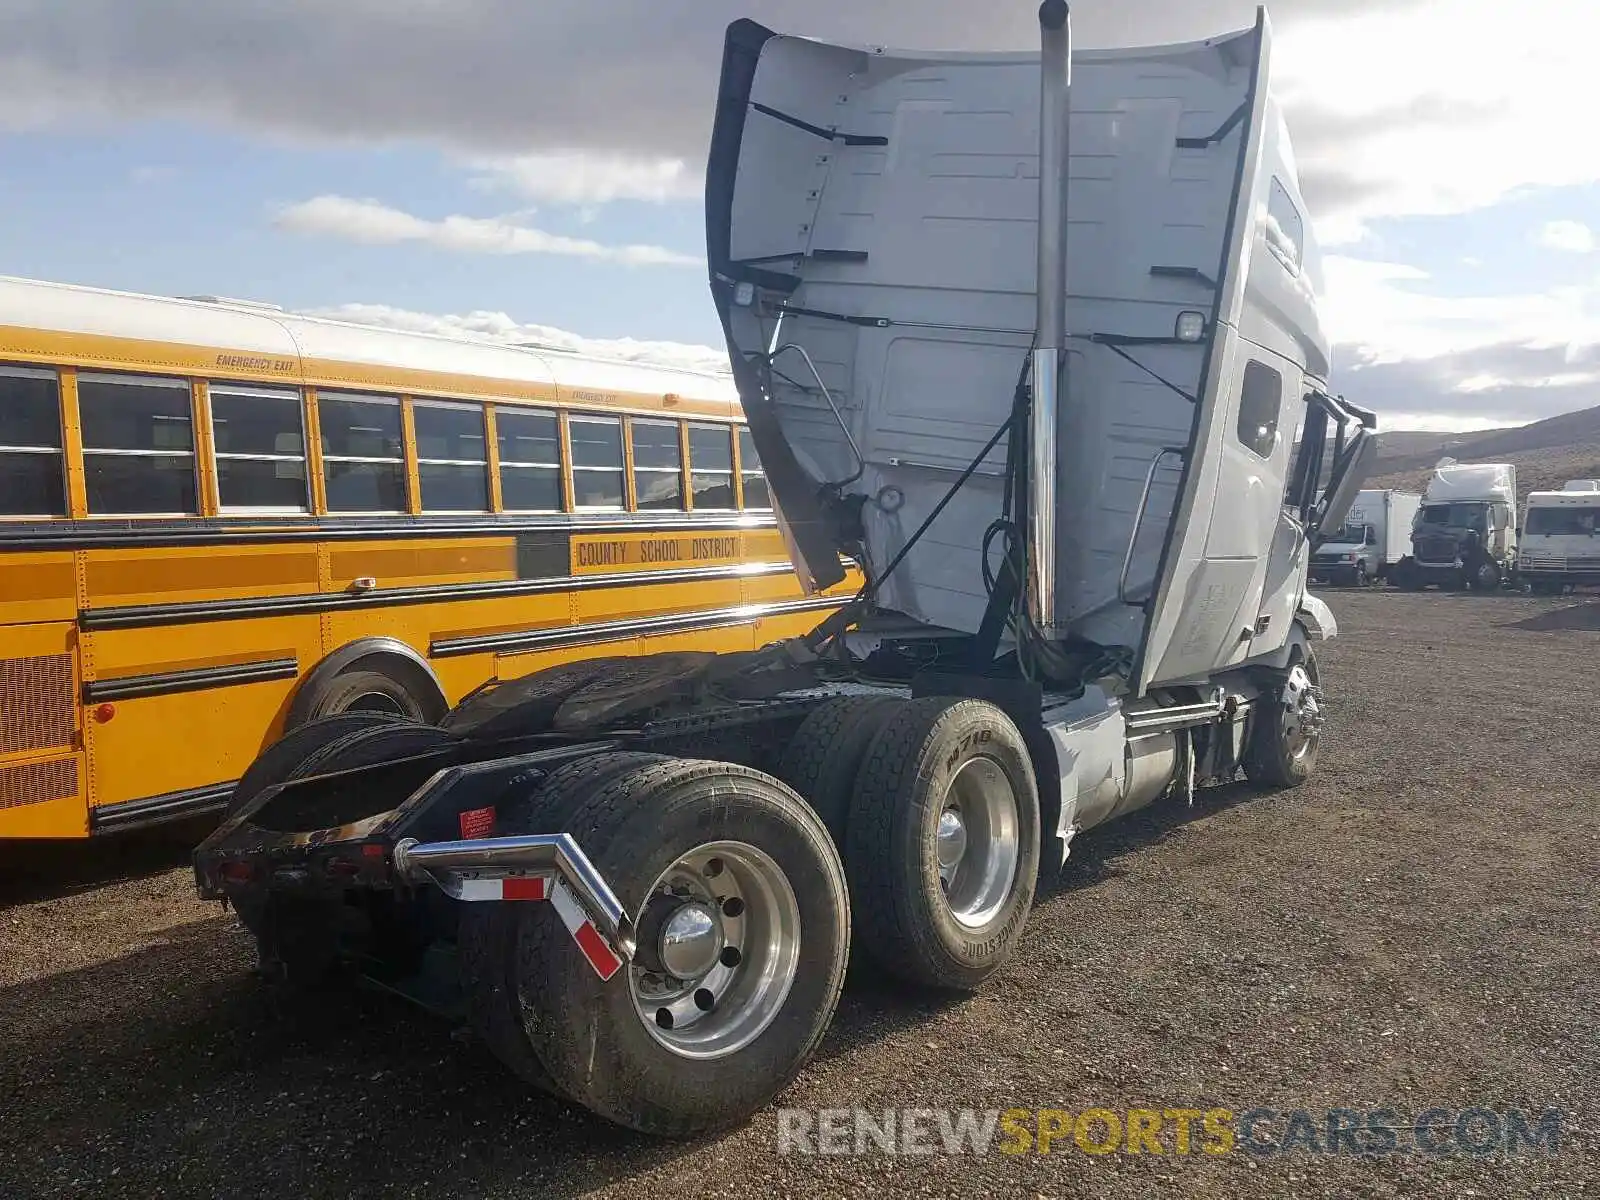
<point x="218" y="520"/>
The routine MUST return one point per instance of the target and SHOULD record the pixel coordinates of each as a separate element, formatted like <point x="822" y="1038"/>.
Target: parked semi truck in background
<point x="1465" y="534"/>
<point x="1561" y="537"/>
<point x="1375" y="537"/>
<point x="642" y="876"/>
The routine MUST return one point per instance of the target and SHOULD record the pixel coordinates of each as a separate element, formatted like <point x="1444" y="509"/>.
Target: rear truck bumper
<point x="408" y="848"/>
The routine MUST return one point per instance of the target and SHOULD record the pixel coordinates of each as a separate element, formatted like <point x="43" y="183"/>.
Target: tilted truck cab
<point x="1027" y="337"/>
<point x="1465" y="533"/>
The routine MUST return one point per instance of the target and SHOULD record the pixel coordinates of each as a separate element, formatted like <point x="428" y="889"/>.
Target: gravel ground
<point x="1414" y="928"/>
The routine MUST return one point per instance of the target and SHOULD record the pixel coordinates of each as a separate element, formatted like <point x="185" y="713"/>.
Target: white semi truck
<point x="1465" y="534"/>
<point x="1561" y="537"/>
<point x="1375" y="538"/>
<point x="1026" y="335"/>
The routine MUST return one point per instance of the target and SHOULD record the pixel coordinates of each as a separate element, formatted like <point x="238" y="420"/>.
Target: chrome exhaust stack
<point x="1055" y="83"/>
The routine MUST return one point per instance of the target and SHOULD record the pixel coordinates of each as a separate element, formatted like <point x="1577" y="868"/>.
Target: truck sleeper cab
<point x="1061" y="461"/>
<point x="1465" y="534"/>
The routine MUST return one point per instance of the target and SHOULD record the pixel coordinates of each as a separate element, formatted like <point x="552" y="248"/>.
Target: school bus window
<point x="362" y="453"/>
<point x="32" y="480"/>
<point x="596" y="461"/>
<point x="138" y="445"/>
<point x="261" y="449"/>
<point x="530" y="460"/>
<point x="452" y="457"/>
<point x="755" y="481"/>
<point x="711" y="466"/>
<point x="657" y="465"/>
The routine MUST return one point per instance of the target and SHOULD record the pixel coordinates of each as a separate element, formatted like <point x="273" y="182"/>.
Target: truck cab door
<point x="1207" y="616"/>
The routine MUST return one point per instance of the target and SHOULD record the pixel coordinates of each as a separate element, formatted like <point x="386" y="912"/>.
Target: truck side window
<point x="1259" y="407"/>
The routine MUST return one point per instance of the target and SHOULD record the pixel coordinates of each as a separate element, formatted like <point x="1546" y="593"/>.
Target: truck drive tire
<point x="297" y="936"/>
<point x="275" y="763"/>
<point x="743" y="934"/>
<point x="1283" y="738"/>
<point x="486" y="936"/>
<point x="824" y="756"/>
<point x="943" y="838"/>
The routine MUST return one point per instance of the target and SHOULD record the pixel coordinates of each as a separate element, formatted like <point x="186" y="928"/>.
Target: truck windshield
<point x="1563" y="520"/>
<point x="1354" y="535"/>
<point x="1467" y="515"/>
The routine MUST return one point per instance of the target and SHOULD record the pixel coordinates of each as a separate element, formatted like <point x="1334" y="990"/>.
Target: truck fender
<point x="1300" y="637"/>
<point x="1316" y="617"/>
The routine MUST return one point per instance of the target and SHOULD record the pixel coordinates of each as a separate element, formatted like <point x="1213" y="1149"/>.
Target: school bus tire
<point x="487" y="933"/>
<point x="370" y="675"/>
<point x="595" y="1036"/>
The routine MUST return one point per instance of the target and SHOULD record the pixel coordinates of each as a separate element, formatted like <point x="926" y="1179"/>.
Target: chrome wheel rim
<point x="977" y="842"/>
<point x="1302" y="712"/>
<point x="719" y="948"/>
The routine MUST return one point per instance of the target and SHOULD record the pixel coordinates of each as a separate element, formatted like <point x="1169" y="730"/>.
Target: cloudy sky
<point x="521" y="168"/>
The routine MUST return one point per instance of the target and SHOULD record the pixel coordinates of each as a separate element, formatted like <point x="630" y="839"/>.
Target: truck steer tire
<point x="487" y="933"/>
<point x="743" y="924"/>
<point x="1283" y="739"/>
<point x="943" y="838"/>
<point x="274" y="764"/>
<point x="826" y="752"/>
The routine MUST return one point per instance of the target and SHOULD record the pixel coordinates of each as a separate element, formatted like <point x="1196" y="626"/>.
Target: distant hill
<point x="1546" y="453"/>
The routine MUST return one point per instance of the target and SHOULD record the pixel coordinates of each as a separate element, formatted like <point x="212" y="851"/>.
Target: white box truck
<point x="1465" y="534"/>
<point x="1375" y="538"/>
<point x="1063" y="451"/>
<point x="1561" y="537"/>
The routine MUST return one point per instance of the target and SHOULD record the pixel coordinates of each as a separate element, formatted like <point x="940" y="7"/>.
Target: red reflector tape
<point x="601" y="956"/>
<point x="523" y="887"/>
<point x="516" y="887"/>
<point x="477" y="822"/>
<point x="605" y="961"/>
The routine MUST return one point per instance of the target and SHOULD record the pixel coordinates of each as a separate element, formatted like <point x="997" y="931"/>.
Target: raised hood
<point x="871" y="223"/>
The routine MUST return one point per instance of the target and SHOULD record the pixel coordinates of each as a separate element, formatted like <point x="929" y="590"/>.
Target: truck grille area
<point x="1436" y="549"/>
<point x="36" y="703"/>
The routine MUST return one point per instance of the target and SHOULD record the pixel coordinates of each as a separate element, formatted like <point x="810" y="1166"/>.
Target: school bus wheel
<point x="370" y="675"/>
